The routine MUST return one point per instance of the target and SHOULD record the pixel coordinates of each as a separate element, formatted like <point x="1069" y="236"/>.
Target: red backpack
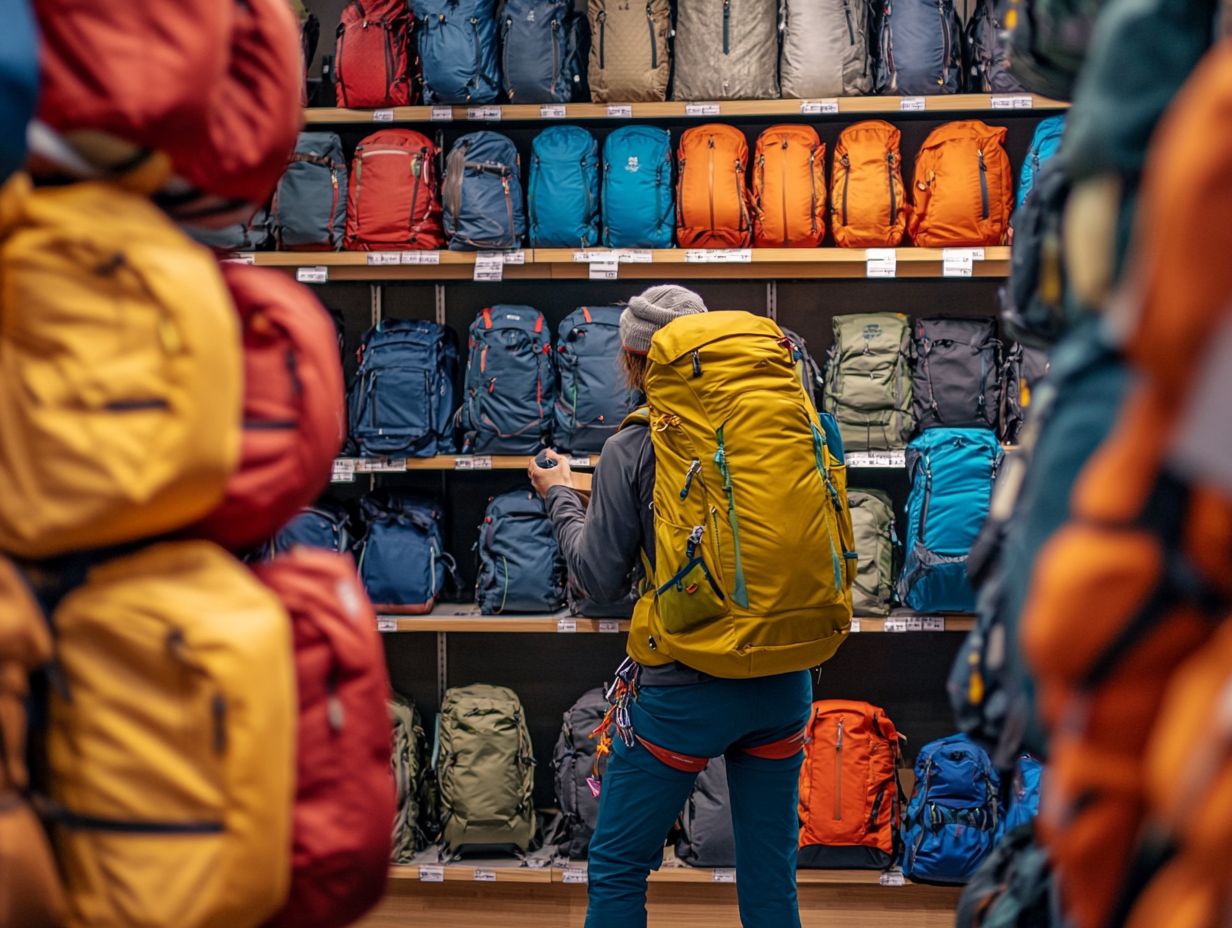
<point x="294" y="414"/>
<point x="373" y="60"/>
<point x="344" y="804"/>
<point x="393" y="199"/>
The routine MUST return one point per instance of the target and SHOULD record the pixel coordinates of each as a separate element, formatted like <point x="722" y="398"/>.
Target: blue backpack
<point x="317" y="526"/>
<point x="510" y="383"/>
<point x="921" y="48"/>
<point x="638" y="202"/>
<point x="1024" y="798"/>
<point x="402" y="560"/>
<point x="539" y="50"/>
<point x="457" y="50"/>
<point x="953" y="820"/>
<point x="483" y="194"/>
<point x="238" y="236"/>
<point x="563" y="195"/>
<point x="520" y="567"/>
<point x="402" y="400"/>
<point x="309" y="210"/>
<point x="1044" y="144"/>
<point x="952" y="472"/>
<point x="19" y="76"/>
<point x="594" y="397"/>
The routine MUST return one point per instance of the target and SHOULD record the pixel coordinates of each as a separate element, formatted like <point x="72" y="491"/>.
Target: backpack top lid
<point x="630" y="136"/>
<point x="564" y="143"/>
<point x="508" y="316"/>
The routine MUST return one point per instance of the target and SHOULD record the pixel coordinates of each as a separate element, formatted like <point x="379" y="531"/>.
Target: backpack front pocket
<point x="690" y="591"/>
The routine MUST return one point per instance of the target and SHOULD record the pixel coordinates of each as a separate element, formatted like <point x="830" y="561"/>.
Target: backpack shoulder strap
<point x="639" y="416"/>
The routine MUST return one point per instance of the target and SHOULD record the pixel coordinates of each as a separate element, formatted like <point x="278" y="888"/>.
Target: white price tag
<point x="609" y="627"/>
<point x="880" y="459"/>
<point x="934" y="623"/>
<point x="818" y="107"/>
<point x="701" y="109"/>
<point x="481" y="462"/>
<point x="855" y="626"/>
<point x="880" y="262"/>
<point x="912" y="105"/>
<point x="441" y="114"/>
<point x="485" y="876"/>
<point x="893" y="877"/>
<point x="391" y="466"/>
<point x="723" y="875"/>
<point x="574" y="876"/>
<point x="368" y="466"/>
<point x="385" y="623"/>
<point x="240" y="257"/>
<point x="585" y="257"/>
<point x="552" y="111"/>
<point x="514" y="257"/>
<point x="718" y="256"/>
<point x="619" y="111"/>
<point x="484" y="113"/>
<point x="1024" y="102"/>
<point x="1002" y="101"/>
<point x="566" y="626"/>
<point x="895" y="625"/>
<point x="384" y="257"/>
<point x="489" y="267"/>
<point x="607" y="268"/>
<point x="915" y="623"/>
<point x="382" y="115"/>
<point x="312" y="275"/>
<point x="421" y="257"/>
<point x="581" y="460"/>
<point x="344" y="470"/>
<point x="431" y="874"/>
<point x="957" y="262"/>
<point x="635" y="256"/>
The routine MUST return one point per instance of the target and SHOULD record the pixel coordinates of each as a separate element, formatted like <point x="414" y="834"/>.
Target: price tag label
<point x="911" y="105"/>
<point x="368" y="466"/>
<point x="581" y="460"/>
<point x="574" y="876"/>
<point x="934" y="623"/>
<point x="386" y="623"/>
<point x="441" y="114"/>
<point x="855" y="626"/>
<point x="895" y="625"/>
<point x="552" y="111"/>
<point x="1000" y="101"/>
<point x="915" y="623"/>
<point x="484" y="113"/>
<point x="484" y="876"/>
<point x="344" y="470"/>
<point x="609" y="627"/>
<point x="719" y="256"/>
<point x="312" y="275"/>
<point x="723" y="875"/>
<point x="607" y="268"/>
<point x="240" y="257"/>
<point x="391" y="466"/>
<point x="489" y="267"/>
<point x="818" y="107"/>
<point x="431" y="874"/>
<point x="382" y="115"/>
<point x="619" y="111"/>
<point x="585" y="257"/>
<point x="893" y="877"/>
<point x="1024" y="102"/>
<point x="384" y="257"/>
<point x="472" y="462"/>
<point x="701" y="109"/>
<point x="957" y="262"/>
<point x="635" y="256"/>
<point x="880" y="262"/>
<point x="514" y="257"/>
<point x="566" y="626"/>
<point x="421" y="257"/>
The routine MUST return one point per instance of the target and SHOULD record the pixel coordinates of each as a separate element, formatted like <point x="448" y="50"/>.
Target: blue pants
<point x="642" y="796"/>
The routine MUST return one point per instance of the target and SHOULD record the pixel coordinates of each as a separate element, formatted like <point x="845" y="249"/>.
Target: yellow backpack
<point x="754" y="553"/>
<point x="120" y="374"/>
<point x="171" y="744"/>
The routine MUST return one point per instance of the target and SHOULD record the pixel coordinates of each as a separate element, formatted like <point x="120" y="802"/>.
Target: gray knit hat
<point x="652" y="310"/>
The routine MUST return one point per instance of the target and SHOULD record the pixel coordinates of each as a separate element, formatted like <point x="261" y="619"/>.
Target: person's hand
<point x="544" y="478"/>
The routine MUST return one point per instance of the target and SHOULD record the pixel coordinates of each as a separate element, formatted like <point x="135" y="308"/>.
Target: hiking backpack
<point x="712" y="197"/>
<point x="485" y="768"/>
<point x="483" y="194"/>
<point x="825" y="50"/>
<point x="402" y="399"/>
<point x="952" y="821"/>
<point x="1045" y="143"/>
<point x="723" y="441"/>
<point x="510" y="384"/>
<point x="415" y="815"/>
<point x="457" y="42"/>
<point x="707" y="838"/>
<point x="562" y="200"/>
<point x="539" y="50"/>
<point x="952" y="471"/>
<point x="392" y="202"/>
<point x="1034" y="299"/>
<point x="630" y="54"/>
<point x="987" y="54"/>
<point x="638" y="201"/>
<point x="1013" y="887"/>
<point x="920" y="48"/>
<point x="964" y="189"/>
<point x="789" y="188"/>
<point x="811" y="376"/>
<point x="957" y="379"/>
<point x="850" y="798"/>
<point x="594" y="397"/>
<point x="1024" y="795"/>
<point x="19" y="75"/>
<point x="868" y="202"/>
<point x="310" y="204"/>
<point x="726" y="53"/>
<point x="520" y="565"/>
<point x="402" y="559"/>
<point x="246" y="235"/>
<point x="868" y="381"/>
<point x="344" y="797"/>
<point x="872" y="521"/>
<point x="578" y="771"/>
<point x="319" y="526"/>
<point x="373" y="62"/>
<point x="1049" y="41"/>
<point x="1022" y="372"/>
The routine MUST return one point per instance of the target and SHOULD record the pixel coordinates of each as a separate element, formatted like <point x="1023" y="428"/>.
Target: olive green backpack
<point x="868" y="381"/>
<point x="415" y="818"/>
<point x="872" y="520"/>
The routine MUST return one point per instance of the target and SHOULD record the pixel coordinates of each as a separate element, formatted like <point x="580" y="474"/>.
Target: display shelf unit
<point x="508" y="871"/>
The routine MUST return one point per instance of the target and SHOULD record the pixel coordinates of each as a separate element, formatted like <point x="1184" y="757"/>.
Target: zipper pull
<point x="695" y="539"/>
<point x="838" y="745"/>
<point x="693" y="471"/>
<point x="697" y="363"/>
<point x="218" y="707"/>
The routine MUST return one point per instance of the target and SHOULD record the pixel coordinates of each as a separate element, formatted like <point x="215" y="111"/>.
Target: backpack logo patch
<point x="530" y="15"/>
<point x="632" y="165"/>
<point x="871" y="331"/>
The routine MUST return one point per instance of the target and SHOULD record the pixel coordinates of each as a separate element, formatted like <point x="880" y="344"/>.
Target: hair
<point x="634" y="367"/>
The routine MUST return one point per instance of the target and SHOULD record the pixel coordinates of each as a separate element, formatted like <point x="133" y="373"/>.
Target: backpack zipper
<point x="654" y="46"/>
<point x="739" y="593"/>
<point x="983" y="185"/>
<point x="419" y="160"/>
<point x="333" y="203"/>
<point x="508" y="204"/>
<point x="389" y="57"/>
<point x="602" y="36"/>
<point x="555" y="53"/>
<point x="838" y="773"/>
<point x="813" y="186"/>
<point x="744" y="212"/>
<point x="845" y="161"/>
<point x="851" y="29"/>
<point x="945" y="34"/>
<point x="726" y="26"/>
<point x="783" y="163"/>
<point x="478" y="53"/>
<point x="338" y="77"/>
<point x="505" y="27"/>
<point x="709" y="177"/>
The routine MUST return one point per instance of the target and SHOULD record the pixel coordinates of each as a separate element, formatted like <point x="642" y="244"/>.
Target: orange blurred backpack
<point x="712" y="197"/>
<point x="789" y="188"/>
<point x="964" y="189"/>
<point x="850" y="797"/>
<point x="868" y="202"/>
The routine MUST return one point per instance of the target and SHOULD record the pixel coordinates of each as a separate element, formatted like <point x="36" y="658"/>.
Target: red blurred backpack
<point x="373" y="59"/>
<point x="393" y="198"/>
<point x="344" y="804"/>
<point x="294" y="408"/>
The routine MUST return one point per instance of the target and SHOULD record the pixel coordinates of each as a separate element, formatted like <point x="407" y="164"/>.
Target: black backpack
<point x="986" y="52"/>
<point x="1033" y="306"/>
<point x="575" y="765"/>
<point x="957" y="379"/>
<point x="707" y="838"/>
<point x="1023" y="370"/>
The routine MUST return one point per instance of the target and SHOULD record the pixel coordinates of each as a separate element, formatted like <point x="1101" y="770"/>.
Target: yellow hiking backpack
<point x="120" y="373"/>
<point x="171" y="743"/>
<point x="754" y="553"/>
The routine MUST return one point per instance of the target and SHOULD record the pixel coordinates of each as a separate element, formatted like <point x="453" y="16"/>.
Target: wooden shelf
<point x="347" y="469"/>
<point x="501" y="872"/>
<point x="999" y="105"/>
<point x="509" y="871"/>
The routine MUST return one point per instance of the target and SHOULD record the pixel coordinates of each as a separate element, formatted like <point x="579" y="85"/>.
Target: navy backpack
<point x="319" y="526"/>
<point x="483" y="194"/>
<point x="1045" y="143"/>
<point x="457" y="50"/>
<point x="952" y="472"/>
<point x="248" y="235"/>
<point x="402" y="560"/>
<point x="562" y="199"/>
<point x="1024" y="798"/>
<point x="539" y="50"/>
<point x="520" y="566"/>
<point x="594" y="397"/>
<point x="402" y="400"/>
<point x="953" y="819"/>
<point x="510" y="383"/>
<point x="309" y="210"/>
<point x="921" y="48"/>
<point x="19" y="76"/>
<point x="638" y="200"/>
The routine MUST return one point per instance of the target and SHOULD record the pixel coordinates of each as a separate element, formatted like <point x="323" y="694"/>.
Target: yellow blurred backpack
<point x="120" y="374"/>
<point x="754" y="556"/>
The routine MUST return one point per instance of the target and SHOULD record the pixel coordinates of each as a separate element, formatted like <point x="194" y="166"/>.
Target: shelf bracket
<point x="375" y="310"/>
<point x="772" y="300"/>
<point x="440" y="304"/>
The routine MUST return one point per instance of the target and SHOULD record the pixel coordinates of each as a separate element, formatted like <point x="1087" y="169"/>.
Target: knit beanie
<point x="652" y="310"/>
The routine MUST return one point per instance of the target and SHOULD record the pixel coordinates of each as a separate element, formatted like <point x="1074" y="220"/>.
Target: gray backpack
<point x="826" y="48"/>
<point x="706" y="835"/>
<point x="485" y="766"/>
<point x="957" y="373"/>
<point x="872" y="520"/>
<point x="921" y="48"/>
<point x="726" y="50"/>
<point x="520" y="567"/>
<point x="415" y="817"/>
<point x="310" y="203"/>
<point x="630" y="59"/>
<point x="868" y="381"/>
<point x="574" y="763"/>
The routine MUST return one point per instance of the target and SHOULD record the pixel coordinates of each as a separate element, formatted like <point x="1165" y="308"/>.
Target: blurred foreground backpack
<point x="520" y="566"/>
<point x="964" y="189"/>
<point x="826" y="49"/>
<point x="638" y="198"/>
<point x="579" y="770"/>
<point x="19" y="51"/>
<point x="868" y="202"/>
<point x="872" y="522"/>
<point x="707" y="838"/>
<point x="868" y="381"/>
<point x="392" y="200"/>
<point x="415" y="814"/>
<point x="373" y="60"/>
<point x="1013" y="888"/>
<point x="402" y="559"/>
<point x="1045" y="143"/>
<point x="562" y="199"/>
<point x="310" y="203"/>
<point x="457" y="41"/>
<point x="539" y="50"/>
<point x="789" y="188"/>
<point x="344" y="799"/>
<point x="920" y="48"/>
<point x="630" y="53"/>
<point x="483" y="194"/>
<point x="1023" y="802"/>
<point x="119" y="398"/>
<point x="1034" y="299"/>
<point x="485" y="767"/>
<point x="712" y="197"/>
<point x="1048" y="42"/>
<point x="594" y="396"/>
<point x="957" y="379"/>
<point x="726" y="52"/>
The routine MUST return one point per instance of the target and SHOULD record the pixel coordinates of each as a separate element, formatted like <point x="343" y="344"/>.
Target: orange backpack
<point x="964" y="190"/>
<point x="850" y="797"/>
<point x="868" y="202"/>
<point x="789" y="188"/>
<point x="712" y="198"/>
